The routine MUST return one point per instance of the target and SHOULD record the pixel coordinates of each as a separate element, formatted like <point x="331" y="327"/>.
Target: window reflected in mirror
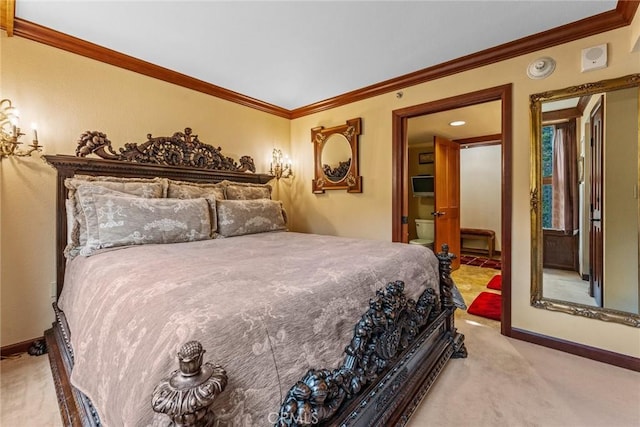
<point x="584" y="200"/>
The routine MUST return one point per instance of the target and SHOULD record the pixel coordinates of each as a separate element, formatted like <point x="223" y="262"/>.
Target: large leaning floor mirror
<point x="585" y="212"/>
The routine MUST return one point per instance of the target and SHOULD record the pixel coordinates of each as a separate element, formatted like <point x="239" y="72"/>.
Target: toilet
<point x="424" y="227"/>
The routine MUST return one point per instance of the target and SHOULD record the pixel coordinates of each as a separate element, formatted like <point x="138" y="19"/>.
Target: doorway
<point x="400" y="174"/>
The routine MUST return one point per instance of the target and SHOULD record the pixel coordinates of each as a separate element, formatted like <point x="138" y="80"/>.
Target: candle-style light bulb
<point x="34" y="127"/>
<point x="14" y="126"/>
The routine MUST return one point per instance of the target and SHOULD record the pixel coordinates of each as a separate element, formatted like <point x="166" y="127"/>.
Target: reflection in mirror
<point x="336" y="157"/>
<point x="584" y="200"/>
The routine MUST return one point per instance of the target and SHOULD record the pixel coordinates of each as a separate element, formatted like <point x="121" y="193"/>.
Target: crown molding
<point x="606" y="21"/>
<point x="627" y="9"/>
<point x="619" y="17"/>
<point x="59" y="40"/>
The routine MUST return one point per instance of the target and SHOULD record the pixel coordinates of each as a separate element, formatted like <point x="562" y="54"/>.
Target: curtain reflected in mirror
<point x="584" y="200"/>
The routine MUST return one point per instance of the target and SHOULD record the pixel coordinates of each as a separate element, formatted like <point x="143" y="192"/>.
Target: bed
<point x="270" y="326"/>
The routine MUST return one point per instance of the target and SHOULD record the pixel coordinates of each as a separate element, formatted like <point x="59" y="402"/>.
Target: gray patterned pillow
<point x="238" y="217"/>
<point x="194" y="190"/>
<point x="246" y="191"/>
<point x="140" y="187"/>
<point x="114" y="220"/>
<point x="84" y="198"/>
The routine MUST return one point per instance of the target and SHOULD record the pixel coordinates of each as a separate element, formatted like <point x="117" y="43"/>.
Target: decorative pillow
<point x="79" y="231"/>
<point x="70" y="209"/>
<point x="142" y="187"/>
<point x="148" y="188"/>
<point x="246" y="191"/>
<point x="238" y="217"/>
<point x="194" y="190"/>
<point x="114" y="220"/>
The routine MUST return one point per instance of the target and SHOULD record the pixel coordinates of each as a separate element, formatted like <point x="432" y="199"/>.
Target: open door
<point x="447" y="197"/>
<point x="596" y="273"/>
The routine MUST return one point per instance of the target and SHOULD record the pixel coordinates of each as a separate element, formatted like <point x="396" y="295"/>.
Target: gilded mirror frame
<point x="537" y="299"/>
<point x="352" y="181"/>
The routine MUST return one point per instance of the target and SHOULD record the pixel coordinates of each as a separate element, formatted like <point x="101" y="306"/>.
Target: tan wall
<point x="67" y="94"/>
<point x="620" y="215"/>
<point x="368" y="214"/>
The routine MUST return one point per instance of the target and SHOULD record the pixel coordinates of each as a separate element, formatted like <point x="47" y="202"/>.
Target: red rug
<point x="487" y="305"/>
<point x="495" y="283"/>
<point x="479" y="261"/>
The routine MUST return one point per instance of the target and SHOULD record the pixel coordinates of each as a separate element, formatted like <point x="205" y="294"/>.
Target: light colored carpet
<point x="511" y="383"/>
<point x="27" y="395"/>
<point x="506" y="382"/>
<point x="503" y="382"/>
<point x="566" y="285"/>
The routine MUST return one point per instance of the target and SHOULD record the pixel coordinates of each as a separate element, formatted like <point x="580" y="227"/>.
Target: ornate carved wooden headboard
<point x="181" y="157"/>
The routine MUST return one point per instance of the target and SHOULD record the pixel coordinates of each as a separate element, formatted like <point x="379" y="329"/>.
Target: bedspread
<point x="267" y="307"/>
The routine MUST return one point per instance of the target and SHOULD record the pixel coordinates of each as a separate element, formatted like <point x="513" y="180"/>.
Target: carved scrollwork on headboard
<point x="181" y="149"/>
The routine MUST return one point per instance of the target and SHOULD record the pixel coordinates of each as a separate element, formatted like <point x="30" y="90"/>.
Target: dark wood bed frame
<point x="398" y="349"/>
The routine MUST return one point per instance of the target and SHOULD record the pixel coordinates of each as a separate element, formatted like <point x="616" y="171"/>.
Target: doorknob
<point x="437" y="213"/>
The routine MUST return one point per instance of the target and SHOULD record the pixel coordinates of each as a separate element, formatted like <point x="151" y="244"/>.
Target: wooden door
<point x="447" y="197"/>
<point x="596" y="273"/>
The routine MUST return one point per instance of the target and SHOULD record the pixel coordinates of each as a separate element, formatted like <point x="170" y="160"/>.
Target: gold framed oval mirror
<point x="336" y="157"/>
<point x="585" y="212"/>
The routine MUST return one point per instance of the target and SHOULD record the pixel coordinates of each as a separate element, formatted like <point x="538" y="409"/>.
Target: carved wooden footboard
<point x="398" y="348"/>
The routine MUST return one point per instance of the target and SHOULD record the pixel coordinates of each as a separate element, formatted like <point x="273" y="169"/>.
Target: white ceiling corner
<point x="292" y="54"/>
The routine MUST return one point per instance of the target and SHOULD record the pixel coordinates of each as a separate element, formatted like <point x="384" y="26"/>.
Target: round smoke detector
<point x="541" y="68"/>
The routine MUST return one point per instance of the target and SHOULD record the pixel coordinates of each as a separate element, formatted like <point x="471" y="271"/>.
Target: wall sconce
<point x="10" y="133"/>
<point x="280" y="168"/>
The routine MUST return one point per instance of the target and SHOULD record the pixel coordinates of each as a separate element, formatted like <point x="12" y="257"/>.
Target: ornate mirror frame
<point x="537" y="299"/>
<point x="352" y="181"/>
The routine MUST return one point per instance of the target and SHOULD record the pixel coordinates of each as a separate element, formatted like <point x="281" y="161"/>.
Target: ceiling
<point x="481" y="120"/>
<point x="560" y="105"/>
<point x="293" y="54"/>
